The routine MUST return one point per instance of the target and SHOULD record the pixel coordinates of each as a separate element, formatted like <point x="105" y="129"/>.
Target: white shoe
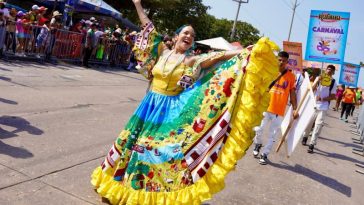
<point x="263" y="159"/>
<point x="256" y="150"/>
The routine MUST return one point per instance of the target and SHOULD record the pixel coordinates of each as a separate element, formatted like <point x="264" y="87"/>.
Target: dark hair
<point x="331" y="66"/>
<point x="283" y="54"/>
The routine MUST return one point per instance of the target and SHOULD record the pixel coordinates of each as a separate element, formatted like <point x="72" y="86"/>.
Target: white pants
<point x="319" y="123"/>
<point x="274" y="130"/>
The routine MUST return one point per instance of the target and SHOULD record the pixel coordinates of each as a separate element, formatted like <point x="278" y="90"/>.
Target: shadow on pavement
<point x="3" y="100"/>
<point x="4" y="69"/>
<point x="20" y="125"/>
<point x="5" y="78"/>
<point x="10" y="81"/>
<point x="16" y="152"/>
<point x="327" y="181"/>
<point x="336" y="156"/>
<point x="352" y="145"/>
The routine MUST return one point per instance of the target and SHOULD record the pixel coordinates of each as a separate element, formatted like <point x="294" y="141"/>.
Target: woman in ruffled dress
<point x="186" y="135"/>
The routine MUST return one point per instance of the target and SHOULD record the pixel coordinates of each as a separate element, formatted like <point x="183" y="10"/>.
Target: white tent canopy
<point x="218" y="43"/>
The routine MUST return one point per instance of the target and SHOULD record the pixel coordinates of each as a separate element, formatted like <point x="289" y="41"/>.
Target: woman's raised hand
<point x="141" y="14"/>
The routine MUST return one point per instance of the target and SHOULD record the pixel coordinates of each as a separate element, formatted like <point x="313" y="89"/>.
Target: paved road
<point x="57" y="123"/>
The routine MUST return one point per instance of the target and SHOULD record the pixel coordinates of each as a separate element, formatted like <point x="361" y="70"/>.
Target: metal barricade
<point x="111" y="52"/>
<point x="27" y="41"/>
<point x="67" y="45"/>
<point x="40" y="42"/>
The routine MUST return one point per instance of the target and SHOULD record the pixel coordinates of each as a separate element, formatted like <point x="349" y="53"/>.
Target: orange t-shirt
<point x="349" y="96"/>
<point x="279" y="93"/>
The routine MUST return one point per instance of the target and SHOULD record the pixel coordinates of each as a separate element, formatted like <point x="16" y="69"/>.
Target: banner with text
<point x="349" y="74"/>
<point x="295" y="55"/>
<point x="327" y="34"/>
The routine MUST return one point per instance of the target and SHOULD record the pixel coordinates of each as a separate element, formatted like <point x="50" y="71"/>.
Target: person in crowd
<point x="359" y="97"/>
<point x="115" y="47"/>
<point x="20" y="35"/>
<point x="93" y="20"/>
<point x="11" y="31"/>
<point x="90" y="44"/>
<point x="355" y="103"/>
<point x="4" y="15"/>
<point x="77" y="27"/>
<point x="146" y="162"/>
<point x="55" y="24"/>
<point x="126" y="31"/>
<point x="33" y="14"/>
<point x="27" y="26"/>
<point x="3" y="9"/>
<point x="339" y="95"/>
<point x="324" y="93"/>
<point x="43" y="38"/>
<point x="2" y="32"/>
<point x="100" y="42"/>
<point x="41" y="17"/>
<point x="33" y="27"/>
<point x="349" y="100"/>
<point x="56" y="21"/>
<point x="282" y="88"/>
<point x="130" y="39"/>
<point x="38" y="26"/>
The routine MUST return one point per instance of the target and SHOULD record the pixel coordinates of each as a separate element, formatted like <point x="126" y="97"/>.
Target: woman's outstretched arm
<point x="225" y="56"/>
<point x="141" y="14"/>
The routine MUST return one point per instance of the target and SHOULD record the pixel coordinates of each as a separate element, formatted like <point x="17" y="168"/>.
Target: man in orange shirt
<point x="349" y="100"/>
<point x="282" y="88"/>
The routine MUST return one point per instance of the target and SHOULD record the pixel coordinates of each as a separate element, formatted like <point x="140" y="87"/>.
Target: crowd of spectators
<point x="22" y="33"/>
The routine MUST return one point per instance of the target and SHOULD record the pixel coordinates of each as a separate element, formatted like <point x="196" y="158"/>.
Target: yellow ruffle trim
<point x="252" y="101"/>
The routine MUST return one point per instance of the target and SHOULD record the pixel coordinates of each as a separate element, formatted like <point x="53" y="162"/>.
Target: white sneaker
<point x="263" y="159"/>
<point x="256" y="150"/>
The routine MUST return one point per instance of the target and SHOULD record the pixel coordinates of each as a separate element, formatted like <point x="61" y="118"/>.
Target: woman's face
<point x="185" y="38"/>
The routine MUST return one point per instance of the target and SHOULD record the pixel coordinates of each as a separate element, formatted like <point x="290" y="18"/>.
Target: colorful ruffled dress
<point x="179" y="145"/>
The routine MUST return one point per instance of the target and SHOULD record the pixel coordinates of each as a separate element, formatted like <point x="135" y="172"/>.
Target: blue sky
<point x="273" y="20"/>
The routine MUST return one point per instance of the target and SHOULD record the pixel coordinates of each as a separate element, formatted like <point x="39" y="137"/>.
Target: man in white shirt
<point x="324" y="94"/>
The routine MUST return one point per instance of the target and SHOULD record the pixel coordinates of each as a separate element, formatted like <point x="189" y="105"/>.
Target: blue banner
<point x="349" y="74"/>
<point x="327" y="34"/>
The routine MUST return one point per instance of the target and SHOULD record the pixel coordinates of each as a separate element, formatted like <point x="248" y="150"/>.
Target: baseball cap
<point x="42" y="8"/>
<point x="35" y="7"/>
<point x="20" y="14"/>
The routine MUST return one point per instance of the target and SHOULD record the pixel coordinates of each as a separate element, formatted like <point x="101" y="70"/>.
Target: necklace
<point x="167" y="70"/>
